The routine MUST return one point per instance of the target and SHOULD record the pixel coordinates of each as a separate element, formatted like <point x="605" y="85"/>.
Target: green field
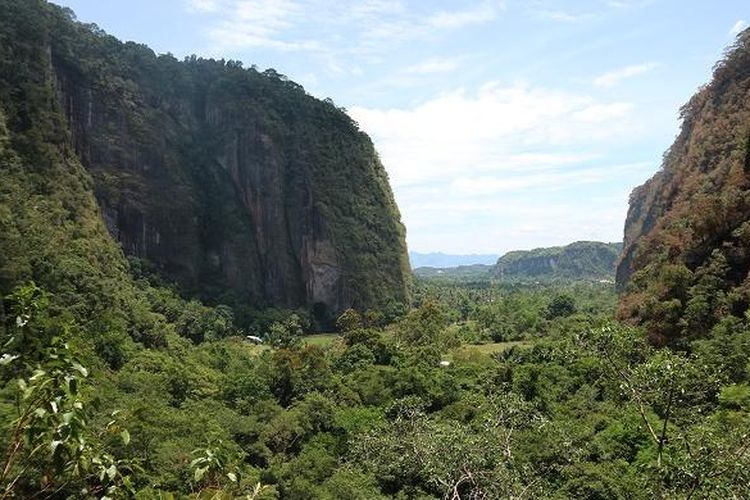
<point x="317" y="339"/>
<point x="471" y="351"/>
<point x="495" y="347"/>
<point x="321" y="339"/>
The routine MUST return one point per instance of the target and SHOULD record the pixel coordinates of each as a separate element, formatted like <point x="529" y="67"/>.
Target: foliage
<point x="285" y="334"/>
<point x="582" y="260"/>
<point x="113" y="384"/>
<point x="685" y="262"/>
<point x="561" y="306"/>
<point x="50" y="447"/>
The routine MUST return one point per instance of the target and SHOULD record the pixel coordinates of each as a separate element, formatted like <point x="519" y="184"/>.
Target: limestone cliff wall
<point x="687" y="235"/>
<point x="234" y="183"/>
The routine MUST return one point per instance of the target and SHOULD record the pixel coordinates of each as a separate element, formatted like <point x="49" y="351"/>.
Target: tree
<point x="50" y="449"/>
<point x="285" y="334"/>
<point x="349" y="320"/>
<point x="673" y="393"/>
<point x="561" y="306"/>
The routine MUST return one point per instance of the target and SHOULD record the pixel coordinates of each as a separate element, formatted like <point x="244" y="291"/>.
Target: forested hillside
<point x="589" y="260"/>
<point x="687" y="235"/>
<point x="233" y="183"/>
<point x="117" y="383"/>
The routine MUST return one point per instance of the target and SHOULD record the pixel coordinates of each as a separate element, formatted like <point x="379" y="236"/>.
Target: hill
<point x="233" y="183"/>
<point x="687" y="234"/>
<point x="475" y="272"/>
<point x="582" y="260"/>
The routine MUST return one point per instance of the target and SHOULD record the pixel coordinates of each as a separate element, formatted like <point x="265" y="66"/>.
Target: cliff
<point x="585" y="260"/>
<point x="233" y="183"/>
<point x="687" y="235"/>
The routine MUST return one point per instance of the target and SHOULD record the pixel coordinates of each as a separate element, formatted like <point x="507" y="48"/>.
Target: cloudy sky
<point x="503" y="124"/>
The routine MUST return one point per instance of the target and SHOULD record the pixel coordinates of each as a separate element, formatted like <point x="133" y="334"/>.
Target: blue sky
<point x="503" y="124"/>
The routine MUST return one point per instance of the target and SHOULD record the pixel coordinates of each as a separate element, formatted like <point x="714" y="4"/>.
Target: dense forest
<point x="119" y="379"/>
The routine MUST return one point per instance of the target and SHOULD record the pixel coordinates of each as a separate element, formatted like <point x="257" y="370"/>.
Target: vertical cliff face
<point x="235" y="184"/>
<point x="687" y="235"/>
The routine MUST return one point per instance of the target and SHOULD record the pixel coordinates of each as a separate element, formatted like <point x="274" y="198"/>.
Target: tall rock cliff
<point x="234" y="183"/>
<point x="687" y="236"/>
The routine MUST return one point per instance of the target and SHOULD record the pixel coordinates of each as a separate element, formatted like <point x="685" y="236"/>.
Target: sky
<point x="503" y="124"/>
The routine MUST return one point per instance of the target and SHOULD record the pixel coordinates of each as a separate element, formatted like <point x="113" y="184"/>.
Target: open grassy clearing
<point x="321" y="339"/>
<point x="471" y="351"/>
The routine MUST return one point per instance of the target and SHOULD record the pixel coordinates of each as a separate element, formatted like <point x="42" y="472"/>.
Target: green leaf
<point x="83" y="371"/>
<point x="125" y="435"/>
<point x="6" y="359"/>
<point x="199" y="473"/>
<point x="111" y="472"/>
<point x="232" y="477"/>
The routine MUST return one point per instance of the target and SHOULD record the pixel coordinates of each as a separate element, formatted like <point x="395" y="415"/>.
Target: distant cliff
<point x="589" y="260"/>
<point x="687" y="235"/>
<point x="234" y="183"/>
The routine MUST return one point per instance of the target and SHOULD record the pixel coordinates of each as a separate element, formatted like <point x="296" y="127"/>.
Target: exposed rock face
<point x="234" y="183"/>
<point x="643" y="211"/>
<point x="579" y="260"/>
<point x="687" y="235"/>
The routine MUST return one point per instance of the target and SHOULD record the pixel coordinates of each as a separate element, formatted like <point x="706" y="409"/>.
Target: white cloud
<point x="435" y="65"/>
<point x="627" y="4"/>
<point x="259" y="23"/>
<point x="612" y="78"/>
<point x="475" y="170"/>
<point x="487" y="131"/>
<point x="202" y="5"/>
<point x="600" y="113"/>
<point x="368" y="8"/>
<point x="563" y="16"/>
<point x="370" y="26"/>
<point x="544" y="181"/>
<point x="737" y="28"/>
<point x="482" y="13"/>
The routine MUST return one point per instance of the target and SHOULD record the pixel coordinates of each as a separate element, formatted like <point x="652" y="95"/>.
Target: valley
<point x="206" y="294"/>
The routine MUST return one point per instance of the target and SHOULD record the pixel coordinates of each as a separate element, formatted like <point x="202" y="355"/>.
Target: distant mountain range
<point x="582" y="260"/>
<point x="442" y="260"/>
